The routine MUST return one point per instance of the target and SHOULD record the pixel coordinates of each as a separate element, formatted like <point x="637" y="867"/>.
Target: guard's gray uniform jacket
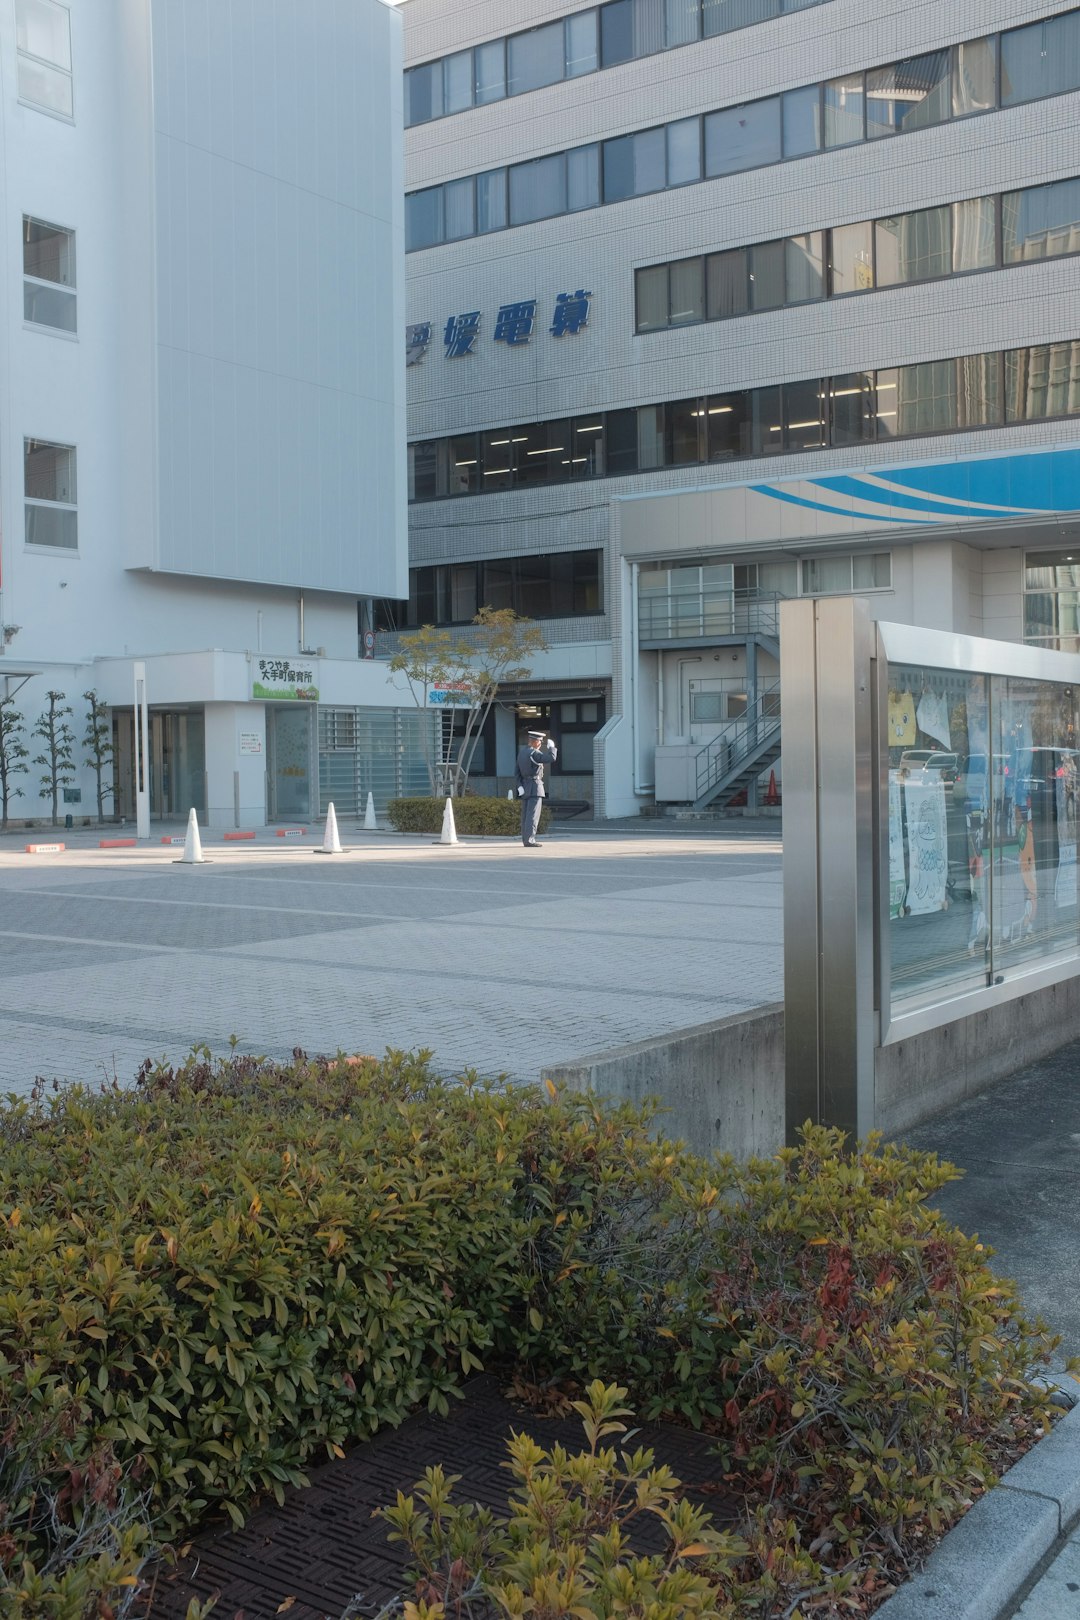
<point x="530" y="775"/>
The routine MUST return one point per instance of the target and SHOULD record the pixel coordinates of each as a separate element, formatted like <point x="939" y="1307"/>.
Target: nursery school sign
<point x="283" y="681"/>
<point x="452" y="695"/>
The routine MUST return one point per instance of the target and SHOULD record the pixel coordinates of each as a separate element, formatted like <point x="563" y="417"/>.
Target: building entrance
<point x="291" y="760"/>
<point x="177" y="763"/>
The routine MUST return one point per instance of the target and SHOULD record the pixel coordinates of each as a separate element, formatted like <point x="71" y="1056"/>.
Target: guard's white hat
<point x="536" y="733"/>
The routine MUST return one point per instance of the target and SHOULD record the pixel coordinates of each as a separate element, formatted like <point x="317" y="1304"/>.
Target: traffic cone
<point x="772" y="797"/>
<point x="449" y="831"/>
<point x="193" y="855"/>
<point x="370" y="824"/>
<point x="331" y="844"/>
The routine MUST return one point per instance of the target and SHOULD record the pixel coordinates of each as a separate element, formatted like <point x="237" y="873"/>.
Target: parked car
<point x="931" y="759"/>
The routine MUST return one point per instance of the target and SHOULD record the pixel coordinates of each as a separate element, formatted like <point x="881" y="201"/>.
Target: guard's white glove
<point x="550" y="746"/>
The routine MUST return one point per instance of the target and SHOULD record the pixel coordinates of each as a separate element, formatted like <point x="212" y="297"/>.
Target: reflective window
<point x="583" y="178"/>
<point x="801" y="119"/>
<point x="684" y="151"/>
<point x="423" y="93"/>
<point x="423" y="218"/>
<point x="728" y="284"/>
<point x="682" y="21"/>
<point x="852" y="413"/>
<point x="766" y="421"/>
<point x="650" y="436"/>
<point x="621" y="439"/>
<point x="49" y="485"/>
<point x="742" y="137"/>
<point x="423" y="462"/>
<point x="491" y="210"/>
<point x="767" y="270"/>
<point x="684" y="429"/>
<point x="458" y="82"/>
<point x="535" y="59"/>
<point x="913" y="247"/>
<point x="722" y="16"/>
<point x="1052" y="599"/>
<point x="581" y="44"/>
<point x="804" y="267"/>
<point x="974" y="234"/>
<point x="1041" y="222"/>
<point x="43" y="49"/>
<point x="804" y="416"/>
<point x="974" y="76"/>
<point x="49" y="275"/>
<point x="978" y="390"/>
<point x="1042" y="381"/>
<point x="616" y="32"/>
<point x="851" y="258"/>
<point x="926" y="397"/>
<point x="464" y="475"/>
<point x="490" y="71"/>
<point x="1040" y="60"/>
<point x="908" y="94"/>
<point x="634" y="165"/>
<point x="459" y="209"/>
<point x="538" y="189"/>
<point x="843" y="103"/>
<point x="687" y="292"/>
<point x="727" y="418"/>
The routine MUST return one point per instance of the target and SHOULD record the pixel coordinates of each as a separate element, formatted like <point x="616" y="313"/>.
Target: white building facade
<point x="201" y="395"/>
<point x="716" y="302"/>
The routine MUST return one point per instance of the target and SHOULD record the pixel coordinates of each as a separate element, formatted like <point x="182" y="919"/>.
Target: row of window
<point x="43" y="55"/>
<point x="935" y="396"/>
<point x="562" y="585"/>
<point x="1021" y="65"/>
<point x="1052" y="599"/>
<point x="48" y="274"/>
<point x="49" y="485"/>
<point x="951" y="239"/>
<point x="582" y="43"/>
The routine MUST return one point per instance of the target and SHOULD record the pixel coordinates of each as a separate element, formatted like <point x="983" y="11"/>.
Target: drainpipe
<point x="659" y="699"/>
<point x="641" y="789"/>
<point x="300" y="610"/>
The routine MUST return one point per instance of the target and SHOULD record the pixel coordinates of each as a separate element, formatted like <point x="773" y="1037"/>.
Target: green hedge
<point x="473" y="817"/>
<point x="238" y="1265"/>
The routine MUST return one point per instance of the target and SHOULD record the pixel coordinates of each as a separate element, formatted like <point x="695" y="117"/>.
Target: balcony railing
<point x="697" y="615"/>
<point x="741" y="739"/>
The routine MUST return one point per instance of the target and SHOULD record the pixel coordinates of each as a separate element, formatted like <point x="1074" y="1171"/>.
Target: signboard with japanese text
<point x="283" y="680"/>
<point x="452" y="695"/>
<point x="514" y="325"/>
<point x="251" y="742"/>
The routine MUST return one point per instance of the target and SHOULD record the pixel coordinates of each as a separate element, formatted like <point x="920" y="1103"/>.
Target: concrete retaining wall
<point x="722" y="1083"/>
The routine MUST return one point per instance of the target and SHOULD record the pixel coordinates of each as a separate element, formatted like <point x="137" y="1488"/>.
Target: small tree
<point x="59" y="740"/>
<point x="97" y="740"/>
<point x="469" y="669"/>
<point x="12" y="754"/>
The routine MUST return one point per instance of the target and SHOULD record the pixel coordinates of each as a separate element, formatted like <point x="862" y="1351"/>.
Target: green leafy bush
<point x="473" y="817"/>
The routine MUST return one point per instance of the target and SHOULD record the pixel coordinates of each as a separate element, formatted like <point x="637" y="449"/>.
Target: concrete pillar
<point x="235" y="780"/>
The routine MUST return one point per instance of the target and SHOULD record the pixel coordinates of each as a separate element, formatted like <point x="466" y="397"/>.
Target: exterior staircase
<point x="729" y="764"/>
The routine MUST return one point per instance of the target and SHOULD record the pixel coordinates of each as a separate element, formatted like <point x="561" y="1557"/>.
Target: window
<point x="458" y="82"/>
<point x="687" y="292"/>
<point x="722" y="16"/>
<point x="581" y="44"/>
<point x="535" y="59"/>
<point x="767" y="275"/>
<point x="423" y="218"/>
<point x="491" y="201"/>
<point x="1041" y="222"/>
<point x="913" y="247"/>
<point x="727" y="281"/>
<point x="908" y="94"/>
<point x="684" y="152"/>
<point x="489" y="67"/>
<point x="634" y="165"/>
<point x="804" y="272"/>
<point x="651" y="294"/>
<point x="560" y="585"/>
<point x="727" y="418"/>
<point x="43" y="46"/>
<point x="423" y="93"/>
<point x="974" y="234"/>
<point x="423" y="464"/>
<point x="583" y="178"/>
<point x="801" y="119"/>
<point x="1040" y="60"/>
<point x="1052" y="599"/>
<point x="852" y="413"/>
<point x="974" y="76"/>
<point x="49" y="482"/>
<point x="742" y="137"/>
<point x="839" y="576"/>
<point x="459" y="209"/>
<point x="1042" y="381"/>
<point x="48" y="275"/>
<point x="538" y="189"/>
<point x="844" y="110"/>
<point x="851" y="263"/>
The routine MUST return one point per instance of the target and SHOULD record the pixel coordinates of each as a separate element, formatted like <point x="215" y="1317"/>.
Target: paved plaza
<point x="490" y="956"/>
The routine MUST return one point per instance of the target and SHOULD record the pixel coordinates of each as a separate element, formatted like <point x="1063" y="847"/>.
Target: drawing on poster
<point x="1065" y="890"/>
<point x="897" y="864"/>
<point x="927" y="841"/>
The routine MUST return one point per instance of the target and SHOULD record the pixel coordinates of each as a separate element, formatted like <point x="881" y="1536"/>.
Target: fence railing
<point x="671" y="615"/>
<point x="740" y="738"/>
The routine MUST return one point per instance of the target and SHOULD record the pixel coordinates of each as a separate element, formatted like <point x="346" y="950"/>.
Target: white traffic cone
<point x="193" y="854"/>
<point x="510" y="794"/>
<point x="449" y="831"/>
<point x="370" y="824"/>
<point x="331" y="844"/>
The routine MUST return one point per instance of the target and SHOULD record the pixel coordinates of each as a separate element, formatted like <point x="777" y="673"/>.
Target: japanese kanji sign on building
<point x="514" y="326"/>
<point x="283" y="680"/>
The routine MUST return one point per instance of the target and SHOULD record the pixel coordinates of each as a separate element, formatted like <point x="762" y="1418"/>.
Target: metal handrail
<point x="671" y="614"/>
<point x="739" y="739"/>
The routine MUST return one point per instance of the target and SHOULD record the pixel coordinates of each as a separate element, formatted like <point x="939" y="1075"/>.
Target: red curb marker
<point x="235" y="835"/>
<point x="44" y="849"/>
<point x="175" y="838"/>
<point x="117" y="843"/>
<point x="291" y="832"/>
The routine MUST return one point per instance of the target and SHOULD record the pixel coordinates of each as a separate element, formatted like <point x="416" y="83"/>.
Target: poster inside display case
<point x="982" y="827"/>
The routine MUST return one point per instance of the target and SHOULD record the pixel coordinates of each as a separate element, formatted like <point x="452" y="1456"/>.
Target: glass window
<point x="535" y="59"/>
<point x="581" y="54"/>
<point x="463" y="470"/>
<point x="886" y="387"/>
<point x="913" y="247"/>
<point x="802" y="121"/>
<point x="497" y="457"/>
<point x="424" y="93"/>
<point x="423" y="218"/>
<point x="804" y="416"/>
<point x="724" y="16"/>
<point x="872" y="573"/>
<point x="974" y="234"/>
<point x="908" y="94"/>
<point x="1040" y="60"/>
<point x="826" y="576"/>
<point x="650" y="436"/>
<point x="489" y="62"/>
<point x="767" y="275"/>
<point x="538" y="189"/>
<point x="49" y="483"/>
<point x="742" y="137"/>
<point x="542" y="453"/>
<point x="588" y="598"/>
<point x="804" y="267"/>
<point x="533" y="593"/>
<point x="423" y="462"/>
<point x="463" y="593"/>
<point x="587" y="447"/>
<point x="974" y="76"/>
<point x="583" y="178"/>
<point x="459" y="209"/>
<point x="767" y="422"/>
<point x="727" y="419"/>
<point x="1041" y="222"/>
<point x="634" y="165"/>
<point x="648" y="27"/>
<point x="621" y="440"/>
<point x="851" y="407"/>
<point x="457" y="82"/>
<point x="497" y="587"/>
<point x="687" y="292"/>
<point x="49" y="268"/>
<point x="727" y="281"/>
<point x="683" y="432"/>
<point x="491" y="200"/>
<point x="682" y="21"/>
<point x="978" y="390"/>
<point x="843" y="100"/>
<point x="616" y="32"/>
<point x="422" y="608"/>
<point x="651" y="298"/>
<point x="684" y="151"/>
<point x="1042" y="381"/>
<point x="851" y="263"/>
<point x="926" y="397"/>
<point x="43" y="44"/>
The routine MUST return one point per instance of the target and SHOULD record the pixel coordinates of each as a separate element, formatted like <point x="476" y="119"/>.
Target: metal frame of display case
<point x="837" y="981"/>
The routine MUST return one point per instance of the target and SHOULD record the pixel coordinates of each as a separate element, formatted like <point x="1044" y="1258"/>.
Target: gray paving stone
<point x="1056" y="1595"/>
